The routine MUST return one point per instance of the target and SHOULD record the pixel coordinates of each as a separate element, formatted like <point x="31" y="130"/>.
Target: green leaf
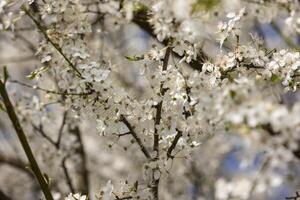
<point x="135" y="186"/>
<point x="139" y="7"/>
<point x="232" y="94"/>
<point x="37" y="72"/>
<point x="204" y="5"/>
<point x="275" y="78"/>
<point x="32" y="75"/>
<point x="134" y="58"/>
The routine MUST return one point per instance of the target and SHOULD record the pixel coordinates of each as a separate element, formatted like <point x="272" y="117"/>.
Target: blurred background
<point x="223" y="163"/>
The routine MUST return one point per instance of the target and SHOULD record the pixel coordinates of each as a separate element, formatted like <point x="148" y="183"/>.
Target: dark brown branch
<point x="122" y="198"/>
<point x="42" y="132"/>
<point x="135" y="136"/>
<point x="123" y="134"/>
<point x="23" y="140"/>
<point x="141" y="17"/>
<point x="66" y="172"/>
<point x="84" y="187"/>
<point x="294" y="197"/>
<point x="166" y="58"/>
<point x="60" y="131"/>
<point x="155" y="185"/>
<point x="173" y="144"/>
<point x="159" y="105"/>
<point x="3" y="196"/>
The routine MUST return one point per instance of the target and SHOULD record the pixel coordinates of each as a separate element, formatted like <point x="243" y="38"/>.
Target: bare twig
<point x="56" y="143"/>
<point x="135" y="136"/>
<point x="84" y="187"/>
<point x="66" y="172"/>
<point x="123" y="134"/>
<point x="173" y="144"/>
<point x="60" y="131"/>
<point x="52" y="91"/>
<point x="40" y="129"/>
<point x="294" y="197"/>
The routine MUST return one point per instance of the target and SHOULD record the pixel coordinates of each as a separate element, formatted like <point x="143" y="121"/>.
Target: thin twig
<point x="42" y="29"/>
<point x="294" y="197"/>
<point x="84" y="188"/>
<point x="66" y="172"/>
<point x="135" y="136"/>
<point x="42" y="132"/>
<point x="173" y="144"/>
<point x="52" y="91"/>
<point x="123" y="134"/>
<point x="60" y="131"/>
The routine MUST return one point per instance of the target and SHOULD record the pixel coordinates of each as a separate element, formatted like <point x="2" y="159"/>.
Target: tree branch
<point x="173" y="144"/>
<point x="42" y="29"/>
<point x="159" y="105"/>
<point x="141" y="17"/>
<point x="3" y="196"/>
<point x="60" y="131"/>
<point x="65" y="169"/>
<point x="42" y="132"/>
<point x="23" y="140"/>
<point x="135" y="136"/>
<point x="84" y="187"/>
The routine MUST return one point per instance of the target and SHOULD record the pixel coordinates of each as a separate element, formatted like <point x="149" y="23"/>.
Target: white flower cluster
<point x="280" y="66"/>
<point x="165" y="17"/>
<point x="230" y="28"/>
<point x="285" y="64"/>
<point x="92" y="72"/>
<point x="76" y="196"/>
<point x="293" y="22"/>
